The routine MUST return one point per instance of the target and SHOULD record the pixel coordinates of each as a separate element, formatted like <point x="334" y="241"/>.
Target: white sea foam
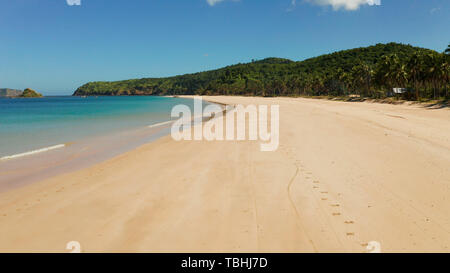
<point x="33" y="152"/>
<point x="161" y="124"/>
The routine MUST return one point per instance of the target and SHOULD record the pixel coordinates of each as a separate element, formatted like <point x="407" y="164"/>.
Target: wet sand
<point x="345" y="174"/>
<point x="18" y="172"/>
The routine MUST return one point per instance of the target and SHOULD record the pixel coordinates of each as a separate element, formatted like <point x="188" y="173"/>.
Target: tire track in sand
<point x="291" y="201"/>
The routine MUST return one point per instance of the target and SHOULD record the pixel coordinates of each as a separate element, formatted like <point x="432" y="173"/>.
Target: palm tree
<point x="383" y="71"/>
<point x="357" y="76"/>
<point x="317" y="83"/>
<point x="387" y="71"/>
<point x="447" y="51"/>
<point x="346" y="80"/>
<point x="445" y="75"/>
<point x="414" y="67"/>
<point x="433" y="70"/>
<point x="362" y="76"/>
<point x="401" y="76"/>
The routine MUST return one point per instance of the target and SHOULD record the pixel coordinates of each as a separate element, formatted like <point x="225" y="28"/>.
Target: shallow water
<point x="91" y="129"/>
<point x="30" y="124"/>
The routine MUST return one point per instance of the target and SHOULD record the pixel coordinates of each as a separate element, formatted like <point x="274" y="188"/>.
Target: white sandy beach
<point x="345" y="174"/>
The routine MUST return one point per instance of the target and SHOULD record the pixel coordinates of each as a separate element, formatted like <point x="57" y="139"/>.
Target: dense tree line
<point x="368" y="72"/>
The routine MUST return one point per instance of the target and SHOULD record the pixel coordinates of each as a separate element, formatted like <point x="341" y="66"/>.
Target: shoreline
<point x="21" y="169"/>
<point x="429" y="103"/>
<point x="38" y="165"/>
<point x="332" y="194"/>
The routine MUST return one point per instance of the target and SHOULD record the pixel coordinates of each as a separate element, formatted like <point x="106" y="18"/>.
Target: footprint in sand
<point x="336" y="214"/>
<point x="324" y="192"/>
<point x="316" y="182"/>
<point x="324" y="199"/>
<point x="350" y="234"/>
<point x="349" y="222"/>
<point x="335" y="205"/>
<point x="315" y="187"/>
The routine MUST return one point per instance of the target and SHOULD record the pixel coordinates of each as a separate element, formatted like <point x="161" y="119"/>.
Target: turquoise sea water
<point x="30" y="124"/>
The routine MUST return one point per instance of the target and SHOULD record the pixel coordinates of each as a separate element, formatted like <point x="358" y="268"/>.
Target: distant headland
<point x="14" y="93"/>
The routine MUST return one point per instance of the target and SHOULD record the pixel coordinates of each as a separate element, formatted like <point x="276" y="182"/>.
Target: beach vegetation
<point x="366" y="72"/>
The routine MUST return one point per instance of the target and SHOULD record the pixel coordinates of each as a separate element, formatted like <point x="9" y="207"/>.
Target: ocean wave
<point x="46" y="149"/>
<point x="161" y="124"/>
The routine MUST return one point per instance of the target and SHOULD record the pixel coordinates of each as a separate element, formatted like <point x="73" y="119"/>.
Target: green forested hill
<point x="30" y="93"/>
<point x="369" y="71"/>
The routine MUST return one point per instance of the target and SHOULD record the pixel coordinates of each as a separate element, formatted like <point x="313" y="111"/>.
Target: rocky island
<point x="30" y="93"/>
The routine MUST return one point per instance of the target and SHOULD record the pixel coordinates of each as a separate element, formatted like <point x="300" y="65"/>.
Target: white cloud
<point x="73" y="2"/>
<point x="434" y="10"/>
<point x="336" y="4"/>
<point x="213" y="2"/>
<point x="346" y="4"/>
<point x="293" y="5"/>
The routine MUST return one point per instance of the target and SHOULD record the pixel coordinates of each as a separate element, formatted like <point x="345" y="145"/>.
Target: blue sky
<point x="53" y="47"/>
